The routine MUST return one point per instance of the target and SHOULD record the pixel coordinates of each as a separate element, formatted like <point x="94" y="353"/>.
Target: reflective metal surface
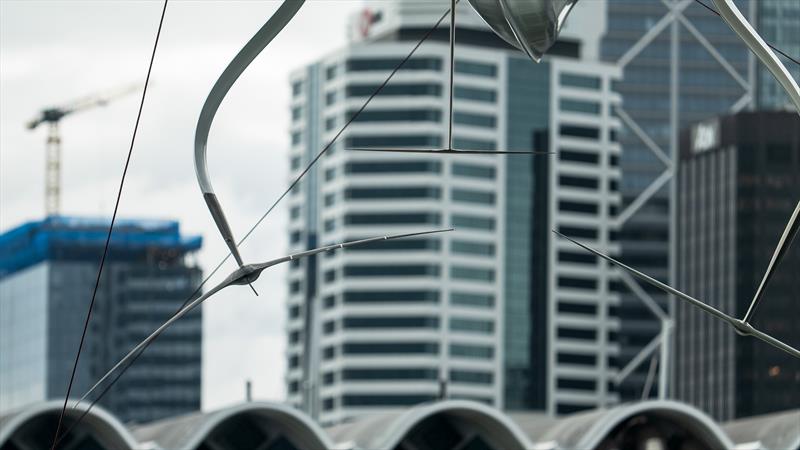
<point x="530" y="25"/>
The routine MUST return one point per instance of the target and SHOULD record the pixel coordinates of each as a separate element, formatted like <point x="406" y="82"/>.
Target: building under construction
<point x="48" y="270"/>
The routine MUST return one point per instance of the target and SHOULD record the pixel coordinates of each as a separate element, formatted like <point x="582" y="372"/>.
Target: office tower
<point x="457" y="314"/>
<point x="739" y="183"/>
<point x="778" y="22"/>
<point x="48" y="270"/>
<point x="681" y="64"/>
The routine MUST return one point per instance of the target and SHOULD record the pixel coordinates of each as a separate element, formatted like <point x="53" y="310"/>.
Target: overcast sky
<point x="54" y="52"/>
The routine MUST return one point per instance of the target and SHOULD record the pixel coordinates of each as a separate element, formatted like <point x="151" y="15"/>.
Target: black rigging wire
<point x="790" y="58"/>
<point x="110" y="229"/>
<point x="377" y="91"/>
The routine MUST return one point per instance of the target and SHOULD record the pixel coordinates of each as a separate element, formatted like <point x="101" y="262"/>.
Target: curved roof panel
<point x="190" y="431"/>
<point x="26" y="424"/>
<point x="778" y="431"/>
<point x="385" y="431"/>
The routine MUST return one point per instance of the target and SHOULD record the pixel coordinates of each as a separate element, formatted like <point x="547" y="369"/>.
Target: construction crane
<point x="52" y="117"/>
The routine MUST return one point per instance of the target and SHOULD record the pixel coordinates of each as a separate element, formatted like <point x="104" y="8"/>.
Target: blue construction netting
<point x="33" y="242"/>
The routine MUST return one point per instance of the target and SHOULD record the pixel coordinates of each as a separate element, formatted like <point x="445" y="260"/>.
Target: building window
<point x="364" y="65"/>
<point x="388" y="167"/>
<point x="328" y="403"/>
<point x="391" y="271"/>
<point x="475" y="94"/>
<point x="295" y="237"/>
<point x="576" y="258"/>
<point x="576" y="333"/>
<point x="330" y="72"/>
<point x="578" y="156"/>
<point x="391" y="373"/>
<point x="578" y="232"/>
<point x="473" y="196"/>
<point x="581" y="360"/>
<point x="472" y="351"/>
<point x="580" y="81"/>
<point x="397" y="244"/>
<point x="294" y="212"/>
<point x="395" y="90"/>
<point x="330" y="199"/>
<point x="329" y="302"/>
<point x="475" y="120"/>
<point x="473" y="222"/>
<point x="394" y="141"/>
<point x="386" y="400"/>
<point x="329" y="327"/>
<point x="397" y="115"/>
<point x="390" y="322"/>
<point x="330" y="174"/>
<point x="393" y="219"/>
<point x="579" y="106"/>
<point x="297" y="137"/>
<point x="330" y="123"/>
<point x="577" y="308"/>
<point x="294" y="287"/>
<point x="328" y="353"/>
<point x="474" y="144"/>
<point x="472" y="248"/>
<point x="328" y="378"/>
<point x="576" y="384"/>
<point x="471" y="325"/>
<point x="294" y="311"/>
<point x="577" y="283"/>
<point x="471" y="376"/>
<point x="577" y="131"/>
<point x="474" y="171"/>
<point x="472" y="299"/>
<point x="330" y="225"/>
<point x="399" y="193"/>
<point x="294" y="361"/>
<point x="471" y="273"/>
<point x="476" y="68"/>
<point x="577" y="207"/>
<point x="578" y="182"/>
<point x="330" y="98"/>
<point x="297" y="113"/>
<point x="330" y="276"/>
<point x="297" y="88"/>
<point x="402" y="296"/>
<point x="394" y="348"/>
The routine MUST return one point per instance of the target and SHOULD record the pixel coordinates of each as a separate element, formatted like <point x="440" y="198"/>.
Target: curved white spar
<point x="731" y="14"/>
<point x="241" y="276"/>
<point x="246" y="55"/>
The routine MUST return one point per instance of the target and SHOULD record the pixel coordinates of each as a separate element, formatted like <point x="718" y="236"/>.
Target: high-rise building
<point x="739" y="183"/>
<point x="681" y="64"/>
<point x="48" y="270"/>
<point x="778" y="22"/>
<point x="498" y="311"/>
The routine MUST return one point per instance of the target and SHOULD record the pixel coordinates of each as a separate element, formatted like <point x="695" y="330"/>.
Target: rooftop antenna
<point x="450" y="148"/>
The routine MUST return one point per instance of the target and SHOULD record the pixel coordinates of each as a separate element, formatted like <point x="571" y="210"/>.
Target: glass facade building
<point x="739" y="183"/>
<point x="469" y="314"/>
<point x="48" y="271"/>
<point x="671" y="79"/>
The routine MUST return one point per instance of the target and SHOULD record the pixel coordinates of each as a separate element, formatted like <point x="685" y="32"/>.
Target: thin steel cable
<point x="110" y="229"/>
<point x="790" y="58"/>
<point x="105" y="390"/>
